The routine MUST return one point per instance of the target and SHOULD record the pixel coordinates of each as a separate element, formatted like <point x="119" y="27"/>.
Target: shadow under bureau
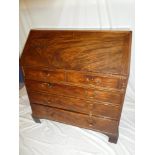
<point x="78" y="77"/>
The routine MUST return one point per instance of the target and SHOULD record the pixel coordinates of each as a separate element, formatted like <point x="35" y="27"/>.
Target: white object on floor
<point x="53" y="138"/>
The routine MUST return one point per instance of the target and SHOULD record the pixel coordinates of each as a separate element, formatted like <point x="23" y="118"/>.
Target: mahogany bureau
<point x="78" y="77"/>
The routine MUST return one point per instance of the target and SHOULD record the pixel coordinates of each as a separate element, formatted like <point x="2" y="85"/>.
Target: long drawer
<point x="80" y="92"/>
<point x="74" y="77"/>
<point x="81" y="120"/>
<point x="76" y="105"/>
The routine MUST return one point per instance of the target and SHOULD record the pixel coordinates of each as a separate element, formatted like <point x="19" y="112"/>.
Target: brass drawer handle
<point x="48" y="101"/>
<point x="48" y="74"/>
<point x="123" y="85"/>
<point x="98" y="81"/>
<point x="91" y="106"/>
<point x="91" y="122"/>
<point x="87" y="79"/>
<point x="49" y="85"/>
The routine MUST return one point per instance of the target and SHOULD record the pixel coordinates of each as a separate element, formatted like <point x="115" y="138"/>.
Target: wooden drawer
<point x="81" y="120"/>
<point x="79" y="92"/>
<point x="44" y="75"/>
<point x="112" y="97"/>
<point x="94" y="80"/>
<point x="105" y="96"/>
<point x="76" y="105"/>
<point x="54" y="88"/>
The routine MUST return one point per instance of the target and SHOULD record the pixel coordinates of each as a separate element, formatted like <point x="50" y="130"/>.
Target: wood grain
<point x="89" y="79"/>
<point x="78" y="77"/>
<point x="74" y="91"/>
<point x="77" y="105"/>
<point x="77" y="119"/>
<point x="95" y="51"/>
<point x="44" y="75"/>
<point x="99" y="81"/>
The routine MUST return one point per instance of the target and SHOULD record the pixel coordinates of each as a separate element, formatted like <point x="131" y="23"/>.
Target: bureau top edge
<point x="126" y="30"/>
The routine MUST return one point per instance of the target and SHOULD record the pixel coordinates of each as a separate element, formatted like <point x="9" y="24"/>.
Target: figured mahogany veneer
<point x="78" y="77"/>
<point x="73" y="118"/>
<point x="74" y="91"/>
<point x="76" y="105"/>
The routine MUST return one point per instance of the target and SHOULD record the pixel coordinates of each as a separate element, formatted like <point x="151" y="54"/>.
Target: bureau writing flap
<point x="83" y="50"/>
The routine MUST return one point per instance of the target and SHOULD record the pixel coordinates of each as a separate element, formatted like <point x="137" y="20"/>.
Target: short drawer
<point x="107" y="96"/>
<point x="73" y="91"/>
<point x="77" y="105"/>
<point x="55" y="88"/>
<point x="77" y="119"/>
<point x="44" y="75"/>
<point x="93" y="80"/>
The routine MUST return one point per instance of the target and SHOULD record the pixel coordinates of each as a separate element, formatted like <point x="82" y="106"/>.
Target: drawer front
<point x="81" y="120"/>
<point x="76" y="105"/>
<point x="68" y="103"/>
<point x="44" y="75"/>
<point x="54" y="88"/>
<point x="102" y="110"/>
<point x="111" y="97"/>
<point x="66" y="90"/>
<point x="92" y="80"/>
<point x="105" y="96"/>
